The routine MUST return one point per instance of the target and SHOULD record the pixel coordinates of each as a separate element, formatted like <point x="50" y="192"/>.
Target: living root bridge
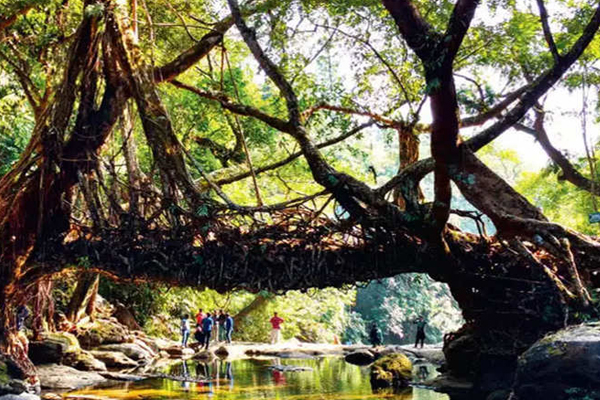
<point x="272" y="258"/>
<point x="279" y="258"/>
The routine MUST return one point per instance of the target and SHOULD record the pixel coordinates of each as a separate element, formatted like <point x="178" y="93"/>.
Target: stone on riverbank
<point x="85" y="361"/>
<point x="131" y="350"/>
<point x="564" y="365"/>
<point x="179" y="352"/>
<point x="53" y="348"/>
<point x="114" y="359"/>
<point x="394" y="370"/>
<point x="102" y="331"/>
<point x="53" y="376"/>
<point x="12" y="378"/>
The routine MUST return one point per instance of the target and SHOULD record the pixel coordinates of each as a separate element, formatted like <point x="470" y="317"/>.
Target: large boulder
<point x="102" y="331"/>
<point x="144" y="346"/>
<point x="53" y="376"/>
<point x="114" y="359"/>
<point x="53" y="348"/>
<point x="179" y="352"/>
<point x="85" y="361"/>
<point x="394" y="370"/>
<point x="12" y="378"/>
<point x="360" y="357"/>
<point x="131" y="350"/>
<point x="564" y="365"/>
<point x="462" y="353"/>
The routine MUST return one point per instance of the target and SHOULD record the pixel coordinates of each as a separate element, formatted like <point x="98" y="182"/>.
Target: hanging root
<point x="582" y="293"/>
<point x="521" y="249"/>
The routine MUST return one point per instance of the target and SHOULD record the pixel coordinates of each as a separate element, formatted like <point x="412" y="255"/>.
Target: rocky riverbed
<point x="104" y="350"/>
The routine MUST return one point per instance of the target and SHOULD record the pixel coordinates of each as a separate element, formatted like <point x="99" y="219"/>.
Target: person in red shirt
<point x="199" y="317"/>
<point x="276" y="322"/>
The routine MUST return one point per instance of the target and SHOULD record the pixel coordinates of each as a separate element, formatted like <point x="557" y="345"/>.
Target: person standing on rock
<point x="276" y="322"/>
<point x="228" y="325"/>
<point x="185" y="329"/>
<point x="207" y="327"/>
<point x="375" y="335"/>
<point x="421" y="322"/>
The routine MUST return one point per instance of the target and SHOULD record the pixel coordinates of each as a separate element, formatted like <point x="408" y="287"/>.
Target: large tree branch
<point x="272" y="71"/>
<point x="346" y="189"/>
<point x="166" y="148"/>
<point x="293" y="156"/>
<point x="569" y="173"/>
<point x="459" y="23"/>
<point x="535" y="90"/>
<point x="419" y="35"/>
<point x="195" y="53"/>
<point x="240" y="109"/>
<point x="547" y="31"/>
<point x="539" y="87"/>
<point x="7" y="20"/>
<point x="496" y="110"/>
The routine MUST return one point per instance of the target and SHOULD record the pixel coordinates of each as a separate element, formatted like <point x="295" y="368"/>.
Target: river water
<point x="331" y="378"/>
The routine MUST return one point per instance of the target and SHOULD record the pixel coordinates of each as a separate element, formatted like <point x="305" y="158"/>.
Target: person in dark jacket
<point x="421" y="322"/>
<point x="228" y="327"/>
<point x="222" y="318"/>
<point x="375" y="335"/>
<point x="207" y="327"/>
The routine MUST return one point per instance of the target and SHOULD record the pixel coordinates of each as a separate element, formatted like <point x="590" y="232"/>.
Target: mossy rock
<point x="4" y="377"/>
<point x="53" y="348"/>
<point x="394" y="370"/>
<point x="563" y="365"/>
<point x="11" y="378"/>
<point x="102" y="331"/>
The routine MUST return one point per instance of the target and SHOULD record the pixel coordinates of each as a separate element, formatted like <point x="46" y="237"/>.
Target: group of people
<point x="221" y="325"/>
<point x="220" y="322"/>
<point x="376" y="337"/>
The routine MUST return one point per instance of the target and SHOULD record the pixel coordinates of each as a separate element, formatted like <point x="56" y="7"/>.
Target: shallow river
<point x="330" y="379"/>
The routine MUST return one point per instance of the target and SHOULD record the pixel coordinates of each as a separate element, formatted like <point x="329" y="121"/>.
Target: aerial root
<point x="518" y="246"/>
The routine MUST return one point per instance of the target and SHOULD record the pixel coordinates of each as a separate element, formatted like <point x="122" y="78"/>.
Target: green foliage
<point x="141" y="299"/>
<point x="315" y="316"/>
<point x="560" y="201"/>
<point x="395" y="303"/>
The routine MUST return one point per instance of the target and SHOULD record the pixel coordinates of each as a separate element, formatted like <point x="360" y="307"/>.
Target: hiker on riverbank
<point x="375" y="335"/>
<point x="199" y="317"/>
<point x="185" y="329"/>
<point x="276" y="322"/>
<point x="222" y="330"/>
<point x="207" y="327"/>
<point x="228" y="325"/>
<point x="421" y="322"/>
<point x="199" y="335"/>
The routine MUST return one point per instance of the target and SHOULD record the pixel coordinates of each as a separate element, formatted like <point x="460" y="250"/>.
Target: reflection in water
<point x="330" y="379"/>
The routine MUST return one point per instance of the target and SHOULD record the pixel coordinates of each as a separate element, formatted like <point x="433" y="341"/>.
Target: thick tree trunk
<point x="83" y="298"/>
<point x="408" y="154"/>
<point x="444" y="141"/>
